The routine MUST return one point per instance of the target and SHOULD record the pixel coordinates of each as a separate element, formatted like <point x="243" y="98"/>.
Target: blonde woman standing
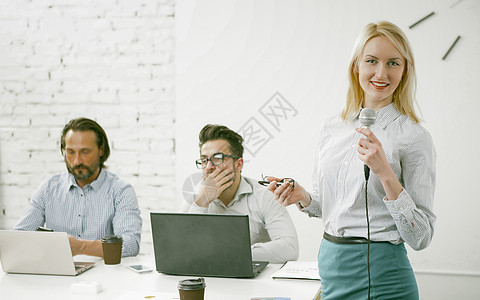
<point x="367" y="220"/>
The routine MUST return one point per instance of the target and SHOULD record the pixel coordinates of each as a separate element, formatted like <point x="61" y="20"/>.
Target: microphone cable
<point x="367" y="118"/>
<point x="366" y="170"/>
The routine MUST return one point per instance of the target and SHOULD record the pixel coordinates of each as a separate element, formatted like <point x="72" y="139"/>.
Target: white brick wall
<point x="109" y="60"/>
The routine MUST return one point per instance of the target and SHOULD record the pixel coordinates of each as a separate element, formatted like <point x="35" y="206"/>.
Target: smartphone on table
<point x="139" y="268"/>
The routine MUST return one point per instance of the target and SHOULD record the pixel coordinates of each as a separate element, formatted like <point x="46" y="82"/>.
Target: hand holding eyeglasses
<point x="279" y="182"/>
<point x="286" y="191"/>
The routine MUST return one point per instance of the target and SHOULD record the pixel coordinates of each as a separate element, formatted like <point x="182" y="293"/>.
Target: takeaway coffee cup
<point x="191" y="289"/>
<point x="112" y="250"/>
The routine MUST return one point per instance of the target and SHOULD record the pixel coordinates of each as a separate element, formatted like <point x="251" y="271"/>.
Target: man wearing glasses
<point x="223" y="190"/>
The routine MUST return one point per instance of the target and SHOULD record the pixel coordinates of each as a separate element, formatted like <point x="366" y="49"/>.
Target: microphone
<point x="367" y="117"/>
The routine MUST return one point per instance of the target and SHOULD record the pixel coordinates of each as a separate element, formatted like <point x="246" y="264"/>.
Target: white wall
<point x="109" y="60"/>
<point x="232" y="57"/>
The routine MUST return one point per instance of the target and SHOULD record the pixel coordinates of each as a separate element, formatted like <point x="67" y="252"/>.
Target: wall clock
<point x="430" y="15"/>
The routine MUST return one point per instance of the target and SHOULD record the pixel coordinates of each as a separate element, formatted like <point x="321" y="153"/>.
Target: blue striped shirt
<point x="339" y="184"/>
<point x="107" y="206"/>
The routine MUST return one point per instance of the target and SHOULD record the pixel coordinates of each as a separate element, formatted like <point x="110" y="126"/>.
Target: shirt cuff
<point x="403" y="205"/>
<point x="313" y="209"/>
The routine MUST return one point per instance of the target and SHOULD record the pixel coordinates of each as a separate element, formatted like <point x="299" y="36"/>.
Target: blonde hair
<point x="404" y="95"/>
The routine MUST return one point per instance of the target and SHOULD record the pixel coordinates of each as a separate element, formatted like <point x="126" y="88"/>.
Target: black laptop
<point x="203" y="245"/>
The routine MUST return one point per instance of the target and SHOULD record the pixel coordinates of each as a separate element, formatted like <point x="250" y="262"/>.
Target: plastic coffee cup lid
<point x="112" y="239"/>
<point x="191" y="284"/>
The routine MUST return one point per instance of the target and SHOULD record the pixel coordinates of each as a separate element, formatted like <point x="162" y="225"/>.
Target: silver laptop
<point x="37" y="252"/>
<point x="203" y="245"/>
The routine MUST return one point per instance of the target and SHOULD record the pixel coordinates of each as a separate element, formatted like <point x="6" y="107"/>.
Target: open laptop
<point x="37" y="252"/>
<point x="203" y="245"/>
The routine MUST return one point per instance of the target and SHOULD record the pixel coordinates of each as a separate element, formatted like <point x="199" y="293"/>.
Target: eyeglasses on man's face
<point x="216" y="159"/>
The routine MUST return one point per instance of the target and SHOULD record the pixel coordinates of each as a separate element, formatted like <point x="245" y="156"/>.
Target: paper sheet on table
<point x="298" y="270"/>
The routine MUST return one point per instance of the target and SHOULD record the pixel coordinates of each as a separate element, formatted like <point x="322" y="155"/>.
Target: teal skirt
<point x="344" y="274"/>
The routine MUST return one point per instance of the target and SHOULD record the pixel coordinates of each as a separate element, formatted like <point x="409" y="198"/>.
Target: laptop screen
<point x="202" y="244"/>
<point x="37" y="252"/>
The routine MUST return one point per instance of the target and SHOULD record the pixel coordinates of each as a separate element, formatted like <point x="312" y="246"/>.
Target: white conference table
<point x="119" y="283"/>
